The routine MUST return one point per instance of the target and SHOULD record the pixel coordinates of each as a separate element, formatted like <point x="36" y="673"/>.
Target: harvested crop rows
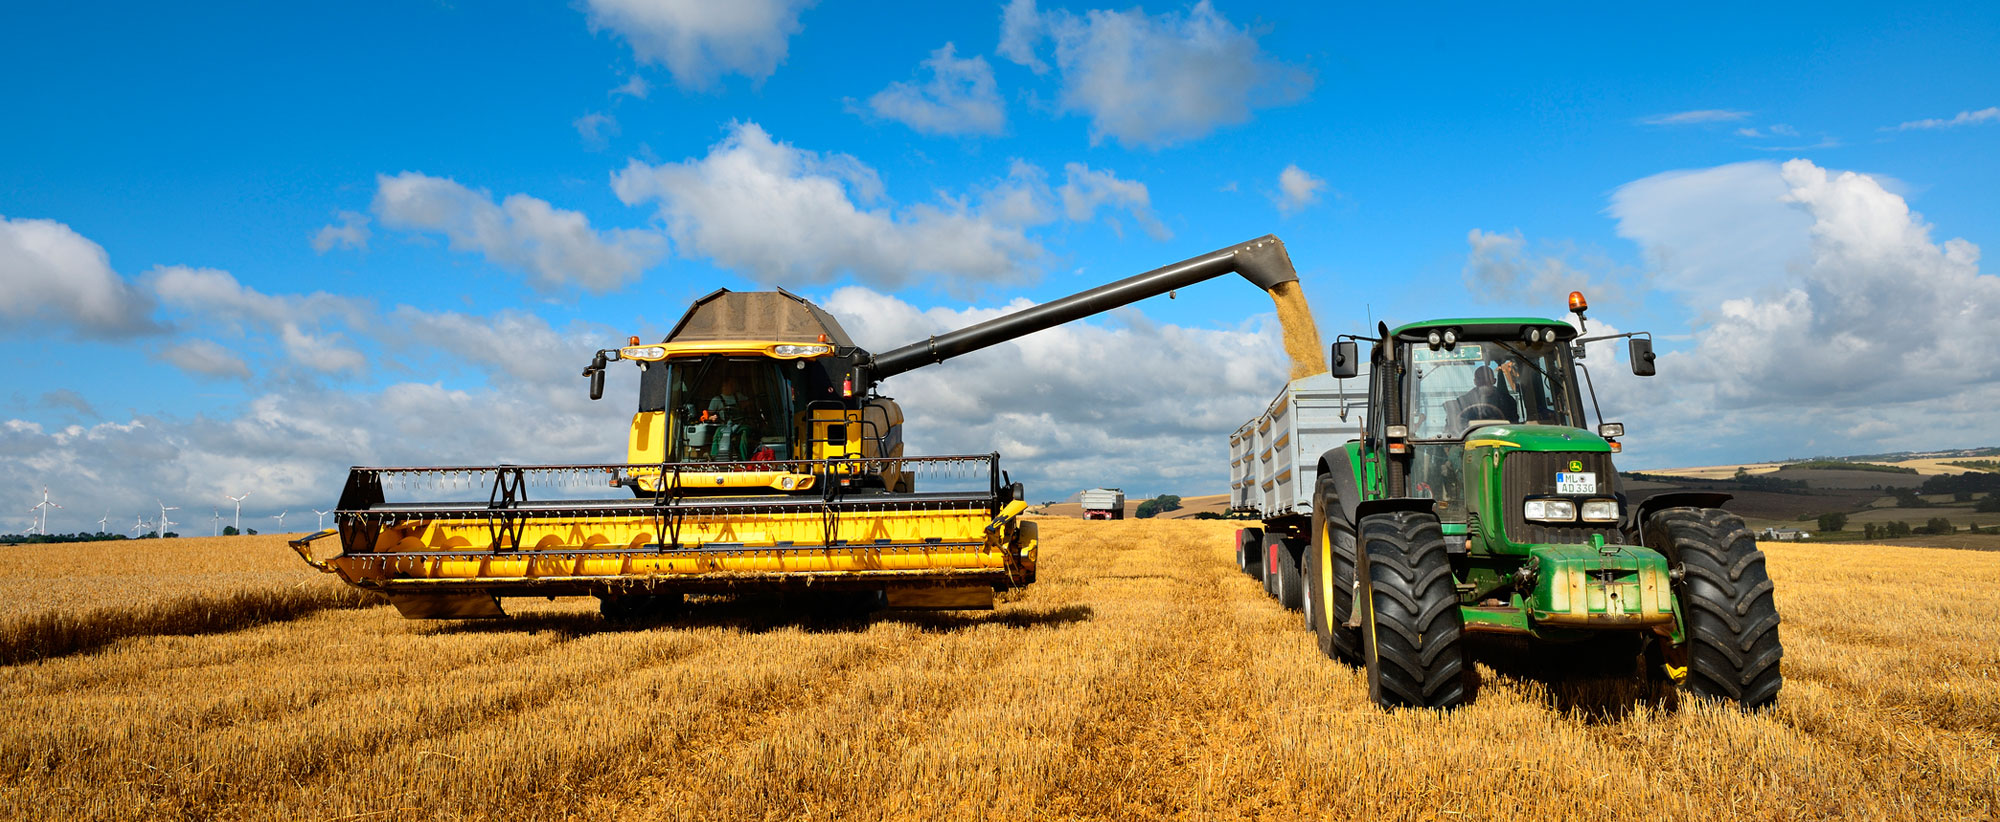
<point x="1142" y="677"/>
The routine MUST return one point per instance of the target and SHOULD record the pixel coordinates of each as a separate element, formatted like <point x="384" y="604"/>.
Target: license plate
<point x="1576" y="482"/>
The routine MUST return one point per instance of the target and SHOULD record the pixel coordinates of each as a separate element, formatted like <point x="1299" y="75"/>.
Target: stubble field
<point x="1142" y="677"/>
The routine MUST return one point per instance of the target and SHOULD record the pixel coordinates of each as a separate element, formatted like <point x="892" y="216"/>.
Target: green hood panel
<point x="1535" y="438"/>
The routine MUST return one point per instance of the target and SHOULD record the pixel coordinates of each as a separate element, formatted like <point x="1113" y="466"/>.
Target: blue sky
<point x="251" y="245"/>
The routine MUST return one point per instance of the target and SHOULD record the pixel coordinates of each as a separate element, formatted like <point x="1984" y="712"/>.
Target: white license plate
<point x="1584" y="482"/>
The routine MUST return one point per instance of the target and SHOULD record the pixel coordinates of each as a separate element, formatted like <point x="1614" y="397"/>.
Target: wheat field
<point x="1142" y="678"/>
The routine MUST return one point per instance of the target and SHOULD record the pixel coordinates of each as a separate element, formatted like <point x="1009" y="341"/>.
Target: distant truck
<point x="1104" y="503"/>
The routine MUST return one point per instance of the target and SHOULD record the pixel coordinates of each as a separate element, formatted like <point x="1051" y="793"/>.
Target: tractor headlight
<point x="1549" y="510"/>
<point x="789" y="350"/>
<point x="1435" y="339"/>
<point x="1600" y="510"/>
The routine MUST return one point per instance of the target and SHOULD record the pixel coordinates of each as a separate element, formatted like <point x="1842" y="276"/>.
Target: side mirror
<point x="1642" y="357"/>
<point x="1346" y="359"/>
<point x="596" y="374"/>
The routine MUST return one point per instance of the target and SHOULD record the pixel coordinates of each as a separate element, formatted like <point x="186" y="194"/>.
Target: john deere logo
<point x="1576" y="465"/>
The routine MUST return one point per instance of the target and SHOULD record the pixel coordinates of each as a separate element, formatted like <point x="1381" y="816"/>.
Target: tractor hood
<point x="1535" y="438"/>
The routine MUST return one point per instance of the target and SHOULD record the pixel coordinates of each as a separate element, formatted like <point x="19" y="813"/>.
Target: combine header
<point x="760" y="457"/>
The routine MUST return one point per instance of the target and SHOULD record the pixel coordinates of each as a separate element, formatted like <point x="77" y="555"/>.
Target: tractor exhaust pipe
<point x="1262" y="261"/>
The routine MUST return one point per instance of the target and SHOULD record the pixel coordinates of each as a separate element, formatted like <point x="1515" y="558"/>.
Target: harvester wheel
<point x="1414" y="631"/>
<point x="1727" y="612"/>
<point x="1329" y="576"/>
<point x="636" y="608"/>
<point x="1291" y="584"/>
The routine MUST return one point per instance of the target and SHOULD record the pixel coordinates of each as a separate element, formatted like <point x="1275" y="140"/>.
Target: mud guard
<point x="1338" y="464"/>
<point x="1635" y="525"/>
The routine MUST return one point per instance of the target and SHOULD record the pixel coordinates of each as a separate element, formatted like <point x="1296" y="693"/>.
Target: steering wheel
<point x="1471" y="412"/>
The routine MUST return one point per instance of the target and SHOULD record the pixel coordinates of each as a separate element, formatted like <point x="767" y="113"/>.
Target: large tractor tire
<point x="1727" y="612"/>
<point x="1291" y="585"/>
<point x="1414" y="631"/>
<point x="1329" y="574"/>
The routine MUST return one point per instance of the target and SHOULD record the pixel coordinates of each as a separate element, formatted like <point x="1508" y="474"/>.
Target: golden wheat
<point x="1142" y="677"/>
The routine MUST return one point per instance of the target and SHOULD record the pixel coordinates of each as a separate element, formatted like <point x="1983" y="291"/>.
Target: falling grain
<point x="1301" y="334"/>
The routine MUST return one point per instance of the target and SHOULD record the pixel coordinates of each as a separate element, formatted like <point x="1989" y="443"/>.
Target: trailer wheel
<point x="1415" y="633"/>
<point x="1329" y="576"/>
<point x="1728" y="615"/>
<point x="1291" y="584"/>
<point x="1253" y="552"/>
<point x="1273" y="553"/>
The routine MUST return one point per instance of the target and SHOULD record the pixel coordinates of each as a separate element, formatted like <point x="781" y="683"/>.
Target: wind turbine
<point x="281" y="520"/>
<point x="322" y="518"/>
<point x="101" y="521"/>
<point x="217" y="521"/>
<point x="138" y="524"/>
<point x="43" y="509"/>
<point x="239" y="508"/>
<point x="164" y="522"/>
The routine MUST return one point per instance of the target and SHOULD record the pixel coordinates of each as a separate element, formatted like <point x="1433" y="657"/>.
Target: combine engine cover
<point x="527" y="531"/>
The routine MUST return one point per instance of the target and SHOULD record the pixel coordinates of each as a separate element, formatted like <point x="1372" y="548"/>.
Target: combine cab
<point x="760" y="457"/>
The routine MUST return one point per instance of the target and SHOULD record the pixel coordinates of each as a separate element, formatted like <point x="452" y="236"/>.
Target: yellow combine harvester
<point x="761" y="457"/>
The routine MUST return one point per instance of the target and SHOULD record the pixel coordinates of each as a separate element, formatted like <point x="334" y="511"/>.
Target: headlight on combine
<point x="1600" y="510"/>
<point x="647" y="353"/>
<point x="789" y="351"/>
<point x="1549" y="510"/>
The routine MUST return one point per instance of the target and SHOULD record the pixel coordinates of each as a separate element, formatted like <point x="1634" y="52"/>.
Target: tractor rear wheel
<point x="1727" y="612"/>
<point x="1415" y="633"/>
<point x="1291" y="586"/>
<point x="1329" y="575"/>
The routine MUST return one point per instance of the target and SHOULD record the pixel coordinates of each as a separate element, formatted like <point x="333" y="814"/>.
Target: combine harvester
<point x="760" y="458"/>
<point x="1467" y="496"/>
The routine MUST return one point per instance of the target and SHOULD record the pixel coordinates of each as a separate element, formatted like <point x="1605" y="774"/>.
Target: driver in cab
<point x="1484" y="401"/>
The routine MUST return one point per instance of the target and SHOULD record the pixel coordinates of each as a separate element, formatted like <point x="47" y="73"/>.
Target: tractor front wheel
<point x="1329" y="575"/>
<point x="1727" y="613"/>
<point x="1414" y="630"/>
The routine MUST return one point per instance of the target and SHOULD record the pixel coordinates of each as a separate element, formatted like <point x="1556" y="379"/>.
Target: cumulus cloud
<point x="1500" y="269"/>
<point x="1297" y="189"/>
<point x="205" y="358"/>
<point x="1855" y="318"/>
<point x="55" y="277"/>
<point x="960" y="98"/>
<point x="1964" y="118"/>
<point x="1117" y="399"/>
<point x="778" y="213"/>
<point x="351" y="233"/>
<point x="595" y="128"/>
<point x="1152" y="79"/>
<point x="700" y="41"/>
<point x="556" y="247"/>
<point x="1085" y="190"/>
<point x="1698" y="116"/>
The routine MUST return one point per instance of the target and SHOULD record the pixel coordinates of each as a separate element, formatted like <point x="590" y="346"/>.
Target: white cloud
<point x="351" y="233"/>
<point x="1297" y="189"/>
<point x="53" y="276"/>
<point x="595" y="128"/>
<point x="1153" y="79"/>
<point x="1867" y="320"/>
<point x="1685" y="118"/>
<point x="554" y="246"/>
<point x="700" y="41"/>
<point x="1118" y="399"/>
<point x="781" y="214"/>
<point x="1964" y="118"/>
<point x="634" y="86"/>
<point x="1084" y="191"/>
<point x="206" y="358"/>
<point x="1020" y="30"/>
<point x="960" y="98"/>
<point x="1499" y="269"/>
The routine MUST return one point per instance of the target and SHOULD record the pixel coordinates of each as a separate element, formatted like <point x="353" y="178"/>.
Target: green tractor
<point x="1477" y="501"/>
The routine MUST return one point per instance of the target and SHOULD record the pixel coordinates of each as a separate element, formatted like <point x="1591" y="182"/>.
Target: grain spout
<point x="1301" y="335"/>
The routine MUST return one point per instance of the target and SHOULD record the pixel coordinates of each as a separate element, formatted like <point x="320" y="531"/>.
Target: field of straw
<point x="1143" y="677"/>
